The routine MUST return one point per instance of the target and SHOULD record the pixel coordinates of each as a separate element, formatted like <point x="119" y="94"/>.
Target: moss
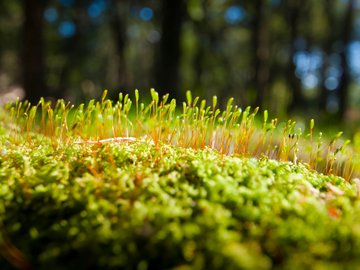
<point x="186" y="191"/>
<point x="138" y="205"/>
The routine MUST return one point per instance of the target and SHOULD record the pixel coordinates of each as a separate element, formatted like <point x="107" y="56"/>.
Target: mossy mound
<point x="140" y="206"/>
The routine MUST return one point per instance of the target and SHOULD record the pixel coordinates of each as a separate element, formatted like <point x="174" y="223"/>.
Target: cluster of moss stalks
<point x="82" y="190"/>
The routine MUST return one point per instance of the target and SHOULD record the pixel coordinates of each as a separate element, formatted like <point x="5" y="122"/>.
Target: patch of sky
<point x="234" y="14"/>
<point x="354" y="57"/>
<point x="307" y="64"/>
<point x="310" y="81"/>
<point x="146" y="13"/>
<point x="333" y="71"/>
<point x="331" y="83"/>
<point x="51" y="15"/>
<point x="301" y="59"/>
<point x="316" y="59"/>
<point x="67" y="29"/>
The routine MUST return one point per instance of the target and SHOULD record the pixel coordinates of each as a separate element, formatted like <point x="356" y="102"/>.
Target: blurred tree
<point x="33" y="50"/>
<point x="198" y="11"/>
<point x="210" y="65"/>
<point x="10" y="33"/>
<point x="220" y="49"/>
<point x="167" y="66"/>
<point x="327" y="46"/>
<point x="300" y="51"/>
<point x="295" y="11"/>
<point x="118" y="26"/>
<point x="76" y="34"/>
<point x="260" y="43"/>
<point x="347" y="30"/>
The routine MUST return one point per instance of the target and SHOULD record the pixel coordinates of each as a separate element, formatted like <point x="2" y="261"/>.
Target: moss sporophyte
<point x="117" y="185"/>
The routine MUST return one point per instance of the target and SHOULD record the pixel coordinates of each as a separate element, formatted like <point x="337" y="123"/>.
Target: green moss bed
<point x="104" y="186"/>
<point x="134" y="205"/>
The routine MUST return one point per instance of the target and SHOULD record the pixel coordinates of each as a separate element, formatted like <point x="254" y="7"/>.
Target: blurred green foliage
<point x="295" y="57"/>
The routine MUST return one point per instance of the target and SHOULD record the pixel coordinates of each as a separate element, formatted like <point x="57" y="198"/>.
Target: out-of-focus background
<point x="293" y="57"/>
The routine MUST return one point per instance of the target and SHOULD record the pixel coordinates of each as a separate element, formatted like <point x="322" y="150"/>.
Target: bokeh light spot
<point x="310" y="81"/>
<point x="97" y="8"/>
<point x="154" y="36"/>
<point x="333" y="72"/>
<point x="331" y="83"/>
<point x="146" y="14"/>
<point x="234" y="14"/>
<point x="67" y="29"/>
<point x="51" y="15"/>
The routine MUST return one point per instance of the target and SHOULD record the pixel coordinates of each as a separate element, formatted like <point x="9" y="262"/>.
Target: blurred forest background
<point x="293" y="57"/>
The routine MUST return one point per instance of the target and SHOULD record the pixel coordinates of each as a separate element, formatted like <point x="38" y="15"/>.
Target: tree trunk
<point x="118" y="26"/>
<point x="294" y="15"/>
<point x="198" y="66"/>
<point x="33" y="50"/>
<point x="260" y="41"/>
<point x="345" y="77"/>
<point x="331" y="36"/>
<point x="167" y="65"/>
<point x="75" y="51"/>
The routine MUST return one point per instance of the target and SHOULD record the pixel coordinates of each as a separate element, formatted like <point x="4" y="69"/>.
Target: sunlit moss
<point x="182" y="194"/>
